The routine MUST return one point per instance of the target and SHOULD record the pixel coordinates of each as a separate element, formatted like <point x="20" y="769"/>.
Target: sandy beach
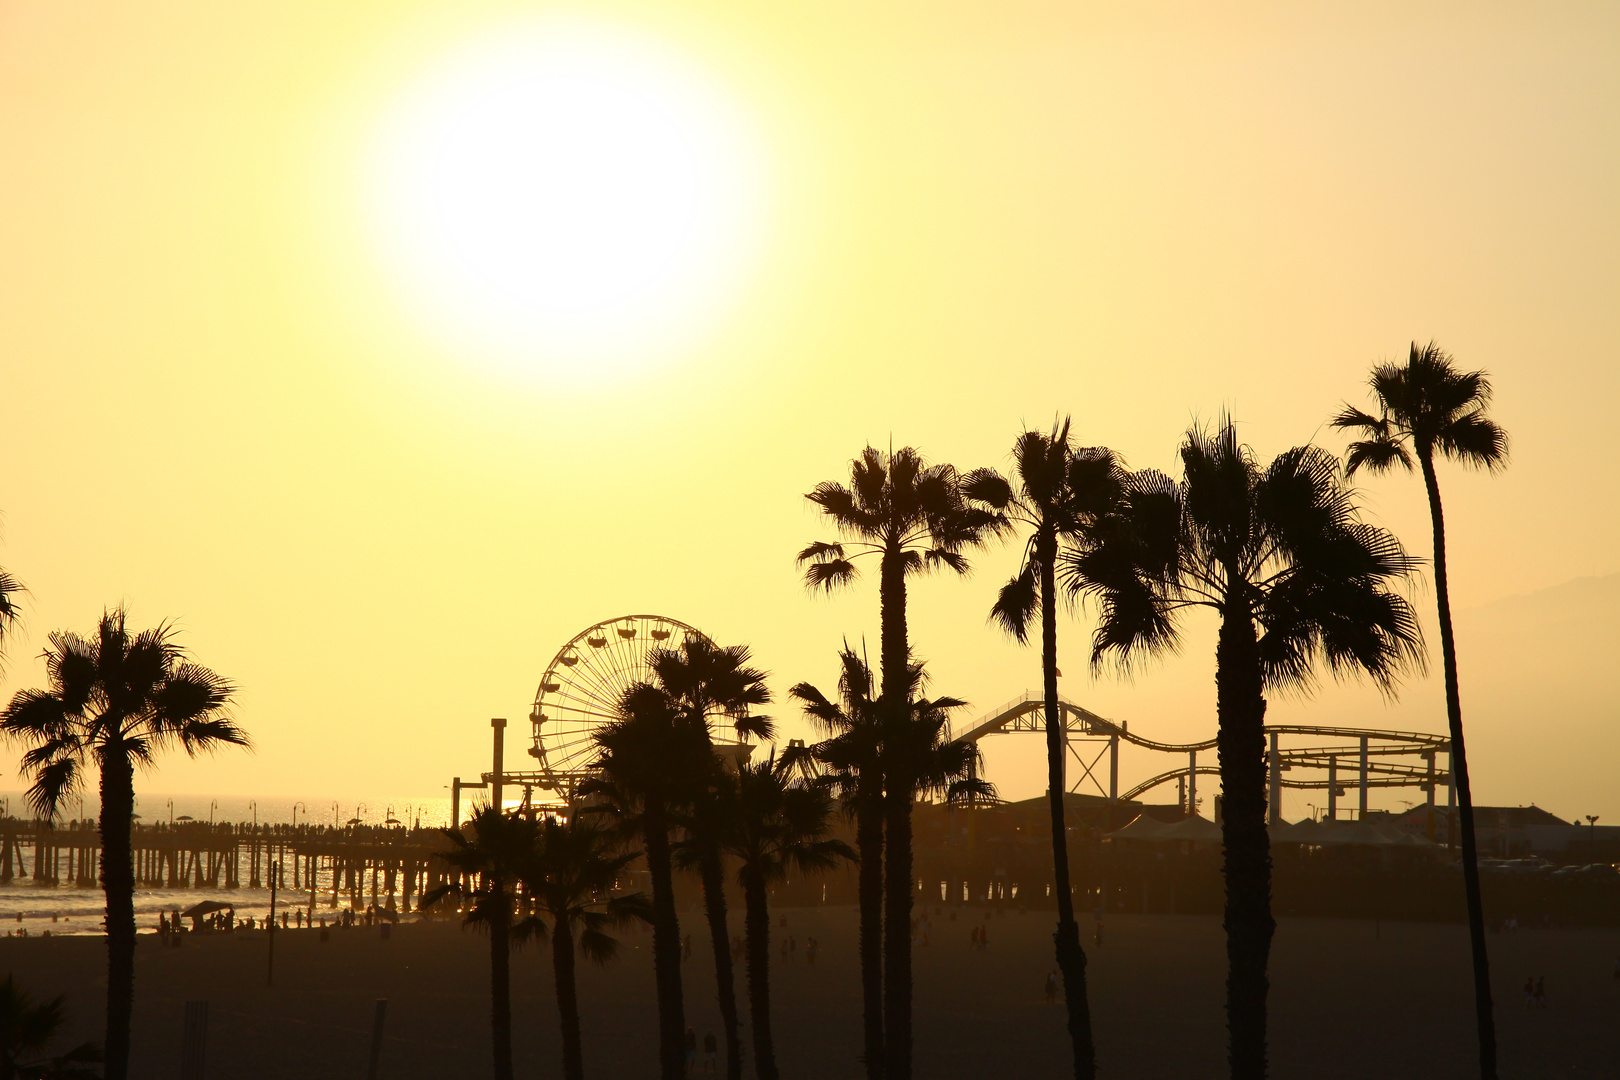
<point x="1350" y="999"/>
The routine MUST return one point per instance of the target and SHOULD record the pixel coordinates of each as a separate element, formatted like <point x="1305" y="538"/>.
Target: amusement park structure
<point x="1333" y="758"/>
<point x="586" y="678"/>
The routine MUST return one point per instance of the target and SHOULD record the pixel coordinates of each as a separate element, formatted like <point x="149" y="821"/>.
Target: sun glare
<point x="565" y="200"/>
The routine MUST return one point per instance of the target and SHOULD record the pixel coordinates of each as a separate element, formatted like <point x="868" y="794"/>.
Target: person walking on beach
<point x="691" y="1050"/>
<point x="1051" y="987"/>
<point x="1541" y="992"/>
<point x="710" y="1051"/>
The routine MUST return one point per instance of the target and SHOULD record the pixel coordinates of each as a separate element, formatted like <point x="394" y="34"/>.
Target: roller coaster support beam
<point x="1192" y="782"/>
<point x="1113" y="769"/>
<point x="498" y="727"/>
<point x="1364" y="776"/>
<point x="1274" y="811"/>
<point x="1333" y="788"/>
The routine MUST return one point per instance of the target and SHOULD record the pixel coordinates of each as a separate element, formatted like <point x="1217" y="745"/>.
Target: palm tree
<point x="1280" y="554"/>
<point x="854" y="754"/>
<point x="709" y="681"/>
<point x="913" y="755"/>
<point x="571" y="874"/>
<point x="117" y="699"/>
<point x="1061" y="494"/>
<point x="10" y="613"/>
<point x="779" y="825"/>
<point x="27" y="1028"/>
<point x="652" y="758"/>
<point x="913" y="516"/>
<point x="489" y="864"/>
<point x="1429" y="408"/>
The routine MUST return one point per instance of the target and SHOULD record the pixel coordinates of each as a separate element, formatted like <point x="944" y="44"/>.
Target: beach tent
<point x="206" y="908"/>
<point x="1142" y="827"/>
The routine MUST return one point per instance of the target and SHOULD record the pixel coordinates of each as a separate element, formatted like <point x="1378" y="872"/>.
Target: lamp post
<point x="296" y="806"/>
<point x="213" y="804"/>
<point x="1591" y="819"/>
<point x="171" y="813"/>
<point x="253" y="805"/>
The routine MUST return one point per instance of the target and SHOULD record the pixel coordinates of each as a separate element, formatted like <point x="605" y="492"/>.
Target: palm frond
<point x="1014" y="609"/>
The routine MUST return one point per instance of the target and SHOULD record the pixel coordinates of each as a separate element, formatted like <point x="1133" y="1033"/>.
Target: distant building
<point x="1510" y="832"/>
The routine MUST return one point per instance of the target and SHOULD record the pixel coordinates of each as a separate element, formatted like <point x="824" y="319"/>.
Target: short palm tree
<point x="653" y="757"/>
<point x="571" y="874"/>
<point x="715" y="684"/>
<point x="780" y="825"/>
<point x="1058" y="493"/>
<point x="1280" y="554"/>
<point x="27" y="1027"/>
<point x="489" y="865"/>
<point x="913" y="516"/>
<point x="911" y="755"/>
<point x="853" y="752"/>
<point x="1427" y="408"/>
<point x="116" y="700"/>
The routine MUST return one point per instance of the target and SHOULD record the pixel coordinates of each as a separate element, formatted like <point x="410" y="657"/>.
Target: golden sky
<point x="220" y="409"/>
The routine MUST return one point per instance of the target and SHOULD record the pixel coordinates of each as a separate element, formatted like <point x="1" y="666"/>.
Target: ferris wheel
<point x="580" y="690"/>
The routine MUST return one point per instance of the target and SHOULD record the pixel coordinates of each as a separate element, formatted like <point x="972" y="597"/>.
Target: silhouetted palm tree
<point x="854" y="754"/>
<point x="490" y="863"/>
<point x="571" y="875"/>
<point x="1280" y="554"/>
<point x="653" y="757"/>
<point x="779" y="825"/>
<point x="715" y="683"/>
<point x="1428" y="408"/>
<point x="10" y="614"/>
<point x="115" y="700"/>
<point x="1060" y="495"/>
<point x="913" y="517"/>
<point x="27" y="1027"/>
<point x="912" y="754"/>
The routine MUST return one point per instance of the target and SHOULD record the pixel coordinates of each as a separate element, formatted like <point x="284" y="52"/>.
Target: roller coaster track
<point x="1026" y="714"/>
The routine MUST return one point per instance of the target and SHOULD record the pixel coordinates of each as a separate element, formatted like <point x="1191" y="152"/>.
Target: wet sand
<point x="1350" y="999"/>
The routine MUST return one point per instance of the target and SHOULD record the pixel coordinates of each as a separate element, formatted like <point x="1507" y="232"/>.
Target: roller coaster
<point x="1333" y="759"/>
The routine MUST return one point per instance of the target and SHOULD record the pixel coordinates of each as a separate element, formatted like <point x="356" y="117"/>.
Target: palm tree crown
<point x="1425" y="407"/>
<point x="117" y="696"/>
<point x="1283" y="542"/>
<point x="709" y="679"/>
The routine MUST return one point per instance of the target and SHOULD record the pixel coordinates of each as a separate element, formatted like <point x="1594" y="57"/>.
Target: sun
<point x="565" y="200"/>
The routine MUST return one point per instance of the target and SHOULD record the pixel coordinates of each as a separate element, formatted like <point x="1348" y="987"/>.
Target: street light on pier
<point x="296" y="805"/>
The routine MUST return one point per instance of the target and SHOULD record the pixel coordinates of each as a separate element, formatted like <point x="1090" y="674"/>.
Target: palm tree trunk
<point x="500" y="996"/>
<point x="1071" y="956"/>
<point x="666" y="944"/>
<point x="118" y="883"/>
<point x="714" y="904"/>
<point x="758" y="930"/>
<point x="1241" y="708"/>
<point x="1483" y="1009"/>
<point x="895" y="648"/>
<point x="562" y="970"/>
<point x="869" y="841"/>
<point x="897" y="930"/>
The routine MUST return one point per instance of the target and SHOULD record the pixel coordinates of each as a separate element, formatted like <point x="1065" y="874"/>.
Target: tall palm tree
<point x="27" y="1027"/>
<point x="780" y="825"/>
<point x="652" y="757"/>
<point x="571" y="874"/>
<point x="1428" y="408"/>
<point x="854" y="754"/>
<point x="913" y="516"/>
<point x="715" y="684"/>
<point x="1061" y="493"/>
<point x="1280" y="554"/>
<point x="117" y="700"/>
<point x="489" y="864"/>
